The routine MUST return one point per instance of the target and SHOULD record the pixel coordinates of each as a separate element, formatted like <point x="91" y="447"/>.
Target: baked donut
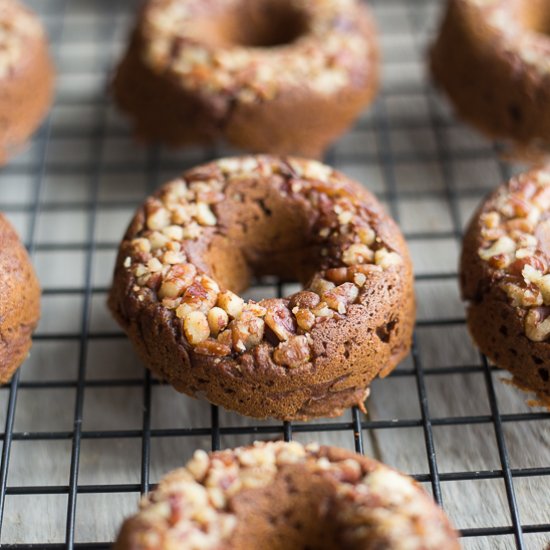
<point x="26" y="76"/>
<point x="492" y="58"/>
<point x="505" y="274"/>
<point x="283" y="496"/>
<point x="19" y="301"/>
<point x="269" y="76"/>
<point x="194" y="245"/>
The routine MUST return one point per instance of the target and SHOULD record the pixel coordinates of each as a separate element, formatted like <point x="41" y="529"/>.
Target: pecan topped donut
<point x="506" y="278"/>
<point x="493" y="59"/>
<point x="279" y="76"/>
<point x="276" y="496"/>
<point x="26" y="75"/>
<point x="195" y="245"/>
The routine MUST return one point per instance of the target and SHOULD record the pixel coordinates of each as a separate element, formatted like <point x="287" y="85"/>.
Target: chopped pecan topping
<point x="324" y="59"/>
<point x="515" y="243"/>
<point x="217" y="321"/>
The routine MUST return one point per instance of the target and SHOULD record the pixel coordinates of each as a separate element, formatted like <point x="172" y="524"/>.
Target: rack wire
<point x="70" y="470"/>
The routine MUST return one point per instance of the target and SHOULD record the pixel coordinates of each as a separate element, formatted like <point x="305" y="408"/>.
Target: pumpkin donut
<point x="26" y="76"/>
<point x="195" y="244"/>
<point x="269" y="76"/>
<point x="283" y="496"/>
<point x="492" y="58"/>
<point x="506" y="279"/>
<point x="19" y="301"/>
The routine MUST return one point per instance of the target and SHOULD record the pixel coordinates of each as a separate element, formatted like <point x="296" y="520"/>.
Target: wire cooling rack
<point x="87" y="429"/>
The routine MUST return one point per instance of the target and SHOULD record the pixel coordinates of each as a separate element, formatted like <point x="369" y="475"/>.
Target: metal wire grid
<point x="57" y="14"/>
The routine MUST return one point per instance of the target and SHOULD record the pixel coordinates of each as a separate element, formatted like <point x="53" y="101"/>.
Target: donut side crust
<point x="491" y="87"/>
<point x="19" y="301"/>
<point x="496" y="326"/>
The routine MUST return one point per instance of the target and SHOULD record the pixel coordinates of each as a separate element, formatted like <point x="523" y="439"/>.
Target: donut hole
<point x="262" y="234"/>
<point x="255" y="24"/>
<point x="297" y="512"/>
<point x="536" y="16"/>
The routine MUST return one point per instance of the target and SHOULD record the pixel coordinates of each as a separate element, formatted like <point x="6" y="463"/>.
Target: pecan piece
<point x="357" y="254"/>
<point x="537" y="324"/>
<point x="279" y="319"/>
<point x="217" y="320"/>
<point x="158" y="217"/>
<point x="385" y="259"/>
<point x="247" y="332"/>
<point x="305" y="318"/>
<point x="231" y="303"/>
<point x="338" y="275"/>
<point x="212" y="347"/>
<point x="171" y="288"/>
<point x="340" y="297"/>
<point x="195" y="327"/>
<point x="521" y="296"/>
<point x="304" y="300"/>
<point x="293" y="353"/>
<point x="320" y="286"/>
<point x="185" y="272"/>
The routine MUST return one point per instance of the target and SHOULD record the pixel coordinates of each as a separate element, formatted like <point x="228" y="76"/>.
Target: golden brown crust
<point x="287" y="99"/>
<point x="505" y="277"/>
<point x="19" y="301"/>
<point x="282" y="496"/>
<point x="26" y="76"/>
<point x="491" y="58"/>
<point x="313" y="354"/>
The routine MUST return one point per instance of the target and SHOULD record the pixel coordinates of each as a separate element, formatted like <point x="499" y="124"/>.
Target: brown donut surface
<point x="505" y="271"/>
<point x="26" y="76"/>
<point x="199" y="240"/>
<point x="275" y="76"/>
<point x="19" y="301"/>
<point x="283" y="496"/>
<point x="492" y="59"/>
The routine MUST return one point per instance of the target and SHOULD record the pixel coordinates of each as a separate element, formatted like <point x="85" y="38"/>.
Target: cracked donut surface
<point x="19" y="301"/>
<point x="197" y="243"/>
<point x="276" y="76"/>
<point x="284" y="496"/>
<point x="492" y="58"/>
<point x="505" y="273"/>
<point x="26" y="76"/>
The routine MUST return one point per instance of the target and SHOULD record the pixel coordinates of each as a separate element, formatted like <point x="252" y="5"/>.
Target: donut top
<point x="17" y="26"/>
<point x="374" y="504"/>
<point x="515" y="22"/>
<point x="328" y="51"/>
<point x="515" y="244"/>
<point x="344" y="228"/>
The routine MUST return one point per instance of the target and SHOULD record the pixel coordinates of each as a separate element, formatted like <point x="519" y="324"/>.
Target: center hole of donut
<point x="264" y="24"/>
<point x="266" y="234"/>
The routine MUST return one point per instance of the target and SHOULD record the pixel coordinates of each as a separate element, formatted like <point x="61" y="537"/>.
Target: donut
<point x="26" y="76"/>
<point x="492" y="59"/>
<point x="505" y="276"/>
<point x="276" y="495"/>
<point x="195" y="245"/>
<point x="19" y="301"/>
<point x="267" y="76"/>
